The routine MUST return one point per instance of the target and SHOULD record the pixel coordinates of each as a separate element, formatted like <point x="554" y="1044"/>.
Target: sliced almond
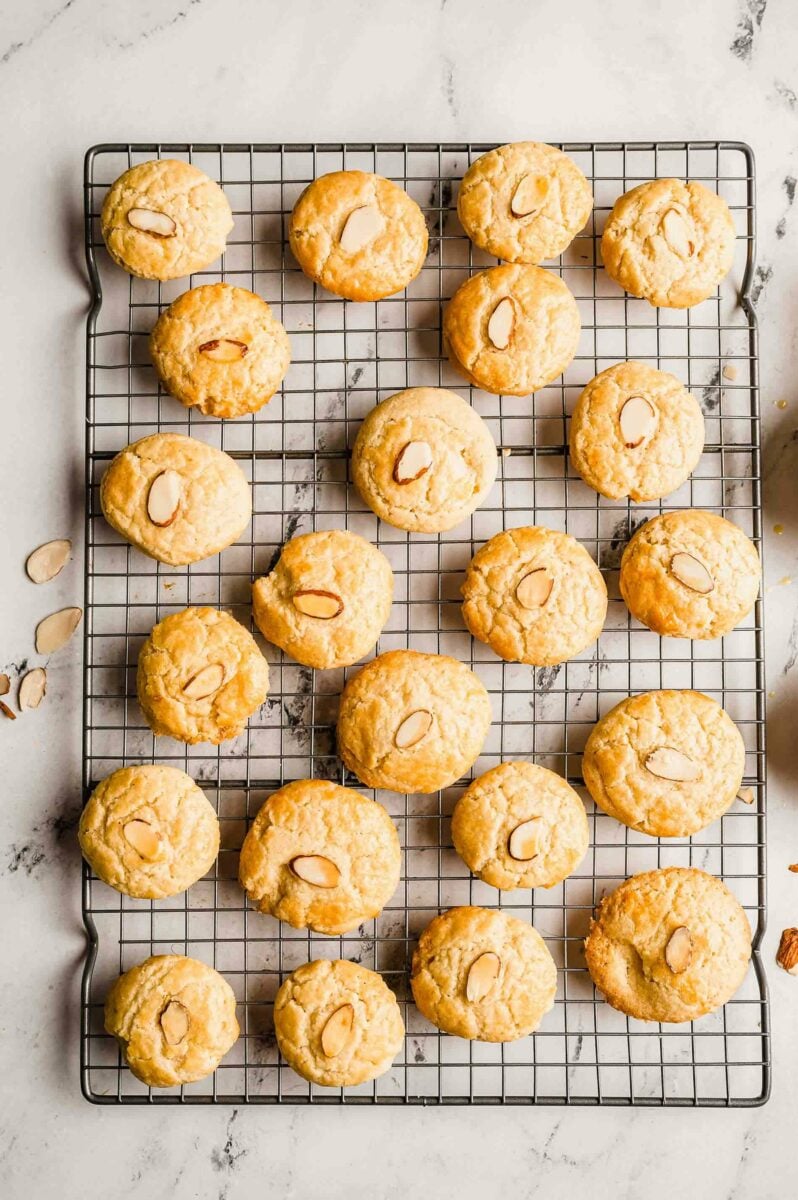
<point x="667" y="763"/>
<point x="692" y="573"/>
<point x="7" y="712"/>
<point x="175" y="1022"/>
<point x="206" y="681"/>
<point x="55" y="631"/>
<point x="529" y="196"/>
<point x="315" y="869"/>
<point x="143" y="838"/>
<point x="482" y="976"/>
<point x="534" y="589"/>
<point x="224" y="350"/>
<point x="149" y="220"/>
<point x="500" y="325"/>
<point x="414" y="727"/>
<point x="679" y="950"/>
<point x="44" y="564"/>
<point x="361" y="227"/>
<point x="337" y="1031"/>
<point x="787" y="954"/>
<point x="312" y="602"/>
<point x="412" y="461"/>
<point x="5" y="685"/>
<point x="794" y="868"/>
<point x="746" y="794"/>
<point x="32" y="688"/>
<point x="163" y="498"/>
<point x="523" y="843"/>
<point x="678" y="233"/>
<point x="638" y="420"/>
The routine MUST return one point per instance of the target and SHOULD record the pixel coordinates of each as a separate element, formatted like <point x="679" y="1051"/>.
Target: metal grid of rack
<point x="345" y="358"/>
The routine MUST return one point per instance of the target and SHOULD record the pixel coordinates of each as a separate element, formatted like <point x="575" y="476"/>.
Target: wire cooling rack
<point x="346" y="357"/>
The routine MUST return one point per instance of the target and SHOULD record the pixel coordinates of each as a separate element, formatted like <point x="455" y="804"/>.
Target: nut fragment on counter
<point x="45" y="562"/>
<point x="7" y="712"/>
<point x="793" y="867"/>
<point x="787" y="955"/>
<point x="32" y="688"/>
<point x="55" y="631"/>
<point x="5" y="685"/>
<point x="746" y="794"/>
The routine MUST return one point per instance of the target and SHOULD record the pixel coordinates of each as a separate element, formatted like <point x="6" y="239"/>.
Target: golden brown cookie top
<point x="175" y="498"/>
<point x="164" y="219"/>
<point x="512" y="329"/>
<point x="220" y="349"/>
<point x="478" y="973"/>
<point x="669" y="945"/>
<point x="669" y="242"/>
<point x="424" y="460"/>
<point x="320" y="856"/>
<point x="412" y="722"/>
<point x="667" y="763"/>
<point x="358" y="235"/>
<point x="690" y="574"/>
<point x="149" y="832"/>
<point x="327" y="600"/>
<point x="636" y="432"/>
<point x="174" y="1017"/>
<point x="524" y="202"/>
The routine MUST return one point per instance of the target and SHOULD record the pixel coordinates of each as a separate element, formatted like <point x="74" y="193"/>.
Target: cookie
<point x="176" y="499"/>
<point x="524" y="202"/>
<point x="478" y="973"/>
<point x="534" y="595"/>
<point x="669" y="242"/>
<point x="164" y="219"/>
<point x="149" y="832"/>
<point x="327" y="600"/>
<point x="669" y="945"/>
<point x="424" y="460"/>
<point x="174" y="1018"/>
<point x="636" y="432"/>
<point x="200" y="677"/>
<point x="412" y="722"/>
<point x="666" y="763"/>
<point x="690" y="574"/>
<point x="358" y="235"/>
<point x="219" y="349"/>
<point x="337" y="1023"/>
<point x="320" y="857"/>
<point x="511" y="330"/>
<point x="520" y="826"/>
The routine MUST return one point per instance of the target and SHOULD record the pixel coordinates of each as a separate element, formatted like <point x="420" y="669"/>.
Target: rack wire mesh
<point x="346" y="357"/>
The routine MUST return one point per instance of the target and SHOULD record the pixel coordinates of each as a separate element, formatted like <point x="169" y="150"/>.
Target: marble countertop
<point x="83" y="71"/>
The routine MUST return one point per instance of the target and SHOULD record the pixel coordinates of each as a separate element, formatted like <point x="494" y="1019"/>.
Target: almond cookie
<point x="478" y="973"/>
<point x="511" y="330"/>
<point x="149" y="832"/>
<point x="520" y="826"/>
<point x="320" y="856"/>
<point x="174" y="1018"/>
<point x="176" y="499"/>
<point x="524" y="202"/>
<point x="636" y="432"/>
<point x="534" y="595"/>
<point x="337" y="1023"/>
<point x="327" y="599"/>
<point x="219" y="348"/>
<point x="412" y="722"/>
<point x="358" y="235"/>
<point x="200" y="677"/>
<point x="424" y="460"/>
<point x="669" y="945"/>
<point x="667" y="763"/>
<point x="669" y="242"/>
<point x="164" y="219"/>
<point x="690" y="574"/>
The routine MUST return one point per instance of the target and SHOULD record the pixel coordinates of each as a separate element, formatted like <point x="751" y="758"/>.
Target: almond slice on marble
<point x="175" y="1022"/>
<point x="315" y="869"/>
<point x="692" y="573"/>
<point x="638" y="420"/>
<point x="163" y="498"/>
<point x="44" y="563"/>
<point x="149" y="220"/>
<point x="32" y="688"/>
<point x="206" y="681"/>
<point x="679" y="950"/>
<point x="312" y="602"/>
<point x="224" y="350"/>
<point x="482" y="976"/>
<point x="501" y="322"/>
<point x="55" y="631"/>
<point x="667" y="763"/>
<point x="412" y="461"/>
<point x="7" y="712"/>
<point x="5" y="685"/>
<point x="361" y="227"/>
<point x="678" y="233"/>
<point x="534" y="589"/>
<point x="413" y="729"/>
<point x="787" y="954"/>
<point x="523" y="842"/>
<point x="337" y="1030"/>
<point x="529" y="196"/>
<point x="143" y="838"/>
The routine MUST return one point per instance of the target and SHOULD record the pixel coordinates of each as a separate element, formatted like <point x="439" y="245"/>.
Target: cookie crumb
<point x="730" y="371"/>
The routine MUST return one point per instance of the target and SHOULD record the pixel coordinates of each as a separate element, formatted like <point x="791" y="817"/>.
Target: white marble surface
<point x="84" y="71"/>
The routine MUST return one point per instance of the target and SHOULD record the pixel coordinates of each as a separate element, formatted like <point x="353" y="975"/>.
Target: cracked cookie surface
<point x="631" y="935"/>
<point x="312" y="818"/>
<point x="148" y="831"/>
<point x="457" y="460"/>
